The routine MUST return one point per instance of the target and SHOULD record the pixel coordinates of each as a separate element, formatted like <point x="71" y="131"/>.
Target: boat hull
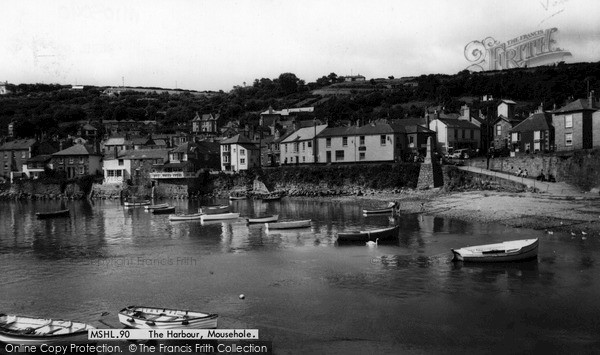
<point x="265" y="219"/>
<point x="162" y="318"/>
<point x="379" y="235"/>
<point x="136" y="204"/>
<point x="289" y="225"/>
<point x="379" y="211"/>
<point x="216" y="217"/>
<point x="165" y="210"/>
<point x="518" y="250"/>
<point x="156" y="207"/>
<point x="36" y="331"/>
<point x="185" y="217"/>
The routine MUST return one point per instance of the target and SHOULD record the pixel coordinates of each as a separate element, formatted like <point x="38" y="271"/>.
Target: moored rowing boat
<point x="165" y="318"/>
<point x="36" y="331"/>
<point x="514" y="250"/>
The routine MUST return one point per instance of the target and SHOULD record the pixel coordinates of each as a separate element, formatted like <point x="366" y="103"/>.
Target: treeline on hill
<point x="54" y="110"/>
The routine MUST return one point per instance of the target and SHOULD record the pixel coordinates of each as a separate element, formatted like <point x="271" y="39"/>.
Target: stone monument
<point x="430" y="174"/>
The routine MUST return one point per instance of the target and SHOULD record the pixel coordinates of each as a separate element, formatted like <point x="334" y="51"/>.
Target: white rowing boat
<point x="263" y="219"/>
<point x="185" y="217"/>
<point x="216" y="217"/>
<point x="514" y="250"/>
<point x="165" y="318"/>
<point x="36" y="331"/>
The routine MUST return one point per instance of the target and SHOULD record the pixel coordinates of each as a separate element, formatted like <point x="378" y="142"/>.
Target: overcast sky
<point x="216" y="44"/>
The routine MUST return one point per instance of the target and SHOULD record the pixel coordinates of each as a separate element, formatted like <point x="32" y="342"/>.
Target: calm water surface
<point x="304" y="292"/>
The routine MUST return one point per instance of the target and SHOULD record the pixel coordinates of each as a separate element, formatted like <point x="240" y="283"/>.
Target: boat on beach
<point x="185" y="217"/>
<point x="214" y="209"/>
<point x="216" y="217"/>
<point x="514" y="250"/>
<point x="289" y="224"/>
<point x="155" y="207"/>
<point x="263" y="219"/>
<point x="53" y="214"/>
<point x="272" y="197"/>
<point x="26" y="330"/>
<point x="391" y="208"/>
<point x="164" y="210"/>
<point x="165" y="318"/>
<point x="239" y="197"/>
<point x="381" y="235"/>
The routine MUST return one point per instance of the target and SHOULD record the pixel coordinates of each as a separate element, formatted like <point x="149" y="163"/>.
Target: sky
<point x="218" y="44"/>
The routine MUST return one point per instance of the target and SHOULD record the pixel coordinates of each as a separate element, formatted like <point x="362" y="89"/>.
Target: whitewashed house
<point x="298" y="147"/>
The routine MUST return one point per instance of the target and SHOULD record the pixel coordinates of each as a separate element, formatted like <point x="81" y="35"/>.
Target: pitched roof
<point x="510" y="102"/>
<point x="287" y="111"/>
<point x="138" y="154"/>
<point x="237" y="139"/>
<point x="305" y="133"/>
<point x="77" y="149"/>
<point x="456" y="123"/>
<point x="537" y="122"/>
<point x="19" y="144"/>
<point x="578" y="105"/>
<point x="89" y="127"/>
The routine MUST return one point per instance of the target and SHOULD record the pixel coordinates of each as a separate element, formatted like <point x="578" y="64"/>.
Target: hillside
<point x="54" y="110"/>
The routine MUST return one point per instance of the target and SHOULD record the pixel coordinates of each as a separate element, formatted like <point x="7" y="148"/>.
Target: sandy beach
<point x="521" y="210"/>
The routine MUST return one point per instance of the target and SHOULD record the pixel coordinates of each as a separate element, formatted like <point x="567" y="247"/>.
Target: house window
<point x="339" y="155"/>
<point x="569" y="121"/>
<point x="456" y="134"/>
<point x="527" y="147"/>
<point x="327" y="142"/>
<point x="463" y="134"/>
<point x="362" y="140"/>
<point x="80" y="160"/>
<point x="472" y="134"/>
<point x="515" y="137"/>
<point x="411" y="140"/>
<point x="23" y="155"/>
<point x="226" y="148"/>
<point x="382" y="139"/>
<point x="81" y="170"/>
<point x="537" y="135"/>
<point x="310" y="144"/>
<point x="285" y="145"/>
<point x="243" y="152"/>
<point x="498" y="130"/>
<point x="303" y="159"/>
<point x="303" y="146"/>
<point x="568" y="139"/>
<point x="71" y="160"/>
<point x="361" y="156"/>
<point x="60" y="160"/>
<point x="242" y="161"/>
<point x="5" y="155"/>
<point x="121" y="162"/>
<point x="110" y="173"/>
<point x="345" y="141"/>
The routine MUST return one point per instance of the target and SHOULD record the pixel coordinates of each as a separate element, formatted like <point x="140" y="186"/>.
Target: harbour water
<point x="302" y="291"/>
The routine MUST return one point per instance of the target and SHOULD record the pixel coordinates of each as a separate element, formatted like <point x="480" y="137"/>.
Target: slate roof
<point x="305" y="133"/>
<point x="536" y="122"/>
<point x="19" y="144"/>
<point x="237" y="139"/>
<point x="77" y="149"/>
<point x="138" y="154"/>
<point x="578" y="105"/>
<point x="456" y="123"/>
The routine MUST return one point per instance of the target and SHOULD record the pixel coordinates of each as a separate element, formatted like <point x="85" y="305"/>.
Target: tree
<point x="288" y="83"/>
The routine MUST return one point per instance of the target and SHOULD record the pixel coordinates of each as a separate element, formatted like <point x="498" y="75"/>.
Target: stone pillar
<point x="430" y="174"/>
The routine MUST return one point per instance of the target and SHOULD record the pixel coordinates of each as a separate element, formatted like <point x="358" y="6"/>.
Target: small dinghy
<point x="164" y="318"/>
<point x="514" y="250"/>
<point x="156" y="207"/>
<point x="384" y="235"/>
<point x="53" y="214"/>
<point x="289" y="224"/>
<point x="216" y="217"/>
<point x="185" y="217"/>
<point x="36" y="331"/>
<point x="264" y="219"/>
<point x="164" y="210"/>
<point x="391" y="208"/>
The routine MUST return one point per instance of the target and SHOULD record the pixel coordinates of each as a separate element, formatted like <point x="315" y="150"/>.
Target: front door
<point x="328" y="156"/>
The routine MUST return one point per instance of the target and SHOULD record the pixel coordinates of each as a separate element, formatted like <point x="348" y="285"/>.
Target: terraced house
<point x="369" y="143"/>
<point x="14" y="154"/>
